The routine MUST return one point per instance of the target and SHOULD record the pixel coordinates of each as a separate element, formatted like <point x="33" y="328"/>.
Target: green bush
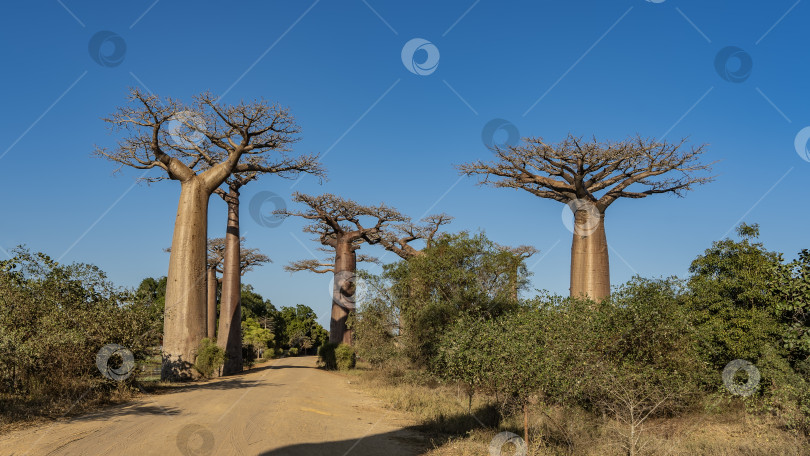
<point x="293" y="352"/>
<point x="326" y="356"/>
<point x="54" y="318"/>
<point x="210" y="357"/>
<point x="345" y="357"/>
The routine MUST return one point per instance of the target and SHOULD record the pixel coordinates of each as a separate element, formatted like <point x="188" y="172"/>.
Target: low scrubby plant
<point x="293" y="351"/>
<point x="326" y="356"/>
<point x="345" y="357"/>
<point x="210" y="358"/>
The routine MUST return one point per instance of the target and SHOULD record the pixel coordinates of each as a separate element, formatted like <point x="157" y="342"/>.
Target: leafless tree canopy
<point x="333" y="217"/>
<point x="398" y="238"/>
<point x="325" y="265"/>
<point x="521" y="251"/>
<point x="181" y="139"/>
<point x="600" y="172"/>
<point x="249" y="257"/>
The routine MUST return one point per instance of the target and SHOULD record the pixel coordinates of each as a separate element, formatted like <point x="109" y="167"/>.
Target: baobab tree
<point x="337" y="224"/>
<point x="248" y="259"/>
<point x="200" y="145"/>
<point x="230" y="310"/>
<point x="589" y="177"/>
<point x="398" y="239"/>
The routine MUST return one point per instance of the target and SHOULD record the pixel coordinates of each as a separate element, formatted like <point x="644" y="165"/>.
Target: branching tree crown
<point x="600" y="172"/>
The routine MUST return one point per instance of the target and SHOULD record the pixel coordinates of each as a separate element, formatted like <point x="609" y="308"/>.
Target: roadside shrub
<point x="345" y="357"/>
<point x="210" y="357"/>
<point x="326" y="356"/>
<point x="54" y="318"/>
<point x="293" y="352"/>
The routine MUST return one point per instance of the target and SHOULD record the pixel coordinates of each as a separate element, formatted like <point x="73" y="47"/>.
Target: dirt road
<point x="286" y="407"/>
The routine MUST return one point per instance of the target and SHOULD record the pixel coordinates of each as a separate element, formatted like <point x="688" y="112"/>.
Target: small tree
<point x="254" y="337"/>
<point x="466" y="353"/>
<point x="730" y="301"/>
<point x="458" y="274"/>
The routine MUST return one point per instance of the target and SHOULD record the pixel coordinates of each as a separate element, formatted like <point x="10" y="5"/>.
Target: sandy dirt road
<point x="285" y="407"/>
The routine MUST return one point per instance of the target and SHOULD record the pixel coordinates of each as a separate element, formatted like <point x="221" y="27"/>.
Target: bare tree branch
<point x="600" y="172"/>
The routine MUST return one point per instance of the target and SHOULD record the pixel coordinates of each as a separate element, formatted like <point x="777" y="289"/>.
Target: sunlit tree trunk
<point x="590" y="270"/>
<point x="212" y="302"/>
<point x="230" y="311"/>
<point x="343" y="292"/>
<point x="185" y="316"/>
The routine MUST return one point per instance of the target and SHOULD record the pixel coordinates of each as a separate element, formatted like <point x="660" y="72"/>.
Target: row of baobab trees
<point x="210" y="147"/>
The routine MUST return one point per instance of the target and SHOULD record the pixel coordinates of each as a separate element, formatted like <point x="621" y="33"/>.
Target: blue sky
<point x="610" y="69"/>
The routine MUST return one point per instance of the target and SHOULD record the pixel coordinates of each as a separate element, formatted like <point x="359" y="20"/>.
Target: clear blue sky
<point x="609" y="69"/>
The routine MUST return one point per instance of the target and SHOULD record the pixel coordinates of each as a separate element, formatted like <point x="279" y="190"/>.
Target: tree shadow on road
<point x="411" y="440"/>
<point x="402" y="442"/>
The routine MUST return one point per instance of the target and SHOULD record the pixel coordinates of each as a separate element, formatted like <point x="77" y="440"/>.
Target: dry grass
<point x="442" y="412"/>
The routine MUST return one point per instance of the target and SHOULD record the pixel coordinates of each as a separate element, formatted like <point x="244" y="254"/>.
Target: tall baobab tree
<point x="248" y="259"/>
<point x="230" y="312"/>
<point x="337" y="224"/>
<point x="589" y="177"/>
<point x="200" y="145"/>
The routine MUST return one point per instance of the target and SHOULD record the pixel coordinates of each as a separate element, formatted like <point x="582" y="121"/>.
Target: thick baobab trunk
<point x="185" y="315"/>
<point x="590" y="270"/>
<point x="230" y="311"/>
<point x="343" y="293"/>
<point x="212" y="303"/>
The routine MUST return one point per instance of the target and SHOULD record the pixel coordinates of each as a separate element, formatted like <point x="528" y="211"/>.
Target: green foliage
<point x="298" y="327"/>
<point x="54" y="318"/>
<point x="458" y="274"/>
<point x="791" y="287"/>
<point x="210" y="358"/>
<point x="786" y="393"/>
<point x="256" y="307"/>
<point x="326" y="356"/>
<point x="345" y="357"/>
<point x="292" y="352"/>
<point x="729" y="301"/>
<point x="375" y="323"/>
<point x="255" y="335"/>
<point x="466" y="353"/>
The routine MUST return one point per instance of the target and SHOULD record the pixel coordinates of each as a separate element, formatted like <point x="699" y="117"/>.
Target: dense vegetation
<point x="55" y="319"/>
<point x="654" y="349"/>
